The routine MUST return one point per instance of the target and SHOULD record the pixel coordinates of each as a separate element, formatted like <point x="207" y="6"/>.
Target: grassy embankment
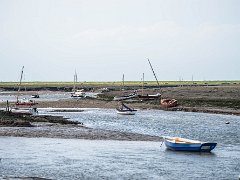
<point x="126" y="83"/>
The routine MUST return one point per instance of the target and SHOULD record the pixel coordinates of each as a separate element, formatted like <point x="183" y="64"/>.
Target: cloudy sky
<point x="102" y="39"/>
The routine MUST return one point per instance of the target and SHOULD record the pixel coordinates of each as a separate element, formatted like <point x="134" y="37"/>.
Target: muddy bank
<point x="223" y="99"/>
<point x="52" y="130"/>
<point x="59" y="127"/>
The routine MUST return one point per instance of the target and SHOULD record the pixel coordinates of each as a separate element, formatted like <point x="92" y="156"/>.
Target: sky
<point x="102" y="40"/>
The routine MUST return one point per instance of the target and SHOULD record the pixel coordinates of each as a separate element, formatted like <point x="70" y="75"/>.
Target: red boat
<point x="168" y="102"/>
<point x="26" y="102"/>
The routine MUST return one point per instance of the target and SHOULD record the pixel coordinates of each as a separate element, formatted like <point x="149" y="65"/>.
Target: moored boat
<point x="123" y="109"/>
<point x="168" y="102"/>
<point x="78" y="93"/>
<point x="25" y="102"/>
<point x="124" y="97"/>
<point x="24" y="111"/>
<point x="150" y="96"/>
<point x="35" y="96"/>
<point x="183" y="144"/>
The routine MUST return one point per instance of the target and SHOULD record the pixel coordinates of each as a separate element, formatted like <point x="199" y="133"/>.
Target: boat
<point x="75" y="92"/>
<point x="123" y="109"/>
<point x="35" y="96"/>
<point x="183" y="144"/>
<point x="24" y="111"/>
<point x="78" y="93"/>
<point x="124" y="97"/>
<point x="168" y="102"/>
<point x="150" y="96"/>
<point x="24" y="101"/>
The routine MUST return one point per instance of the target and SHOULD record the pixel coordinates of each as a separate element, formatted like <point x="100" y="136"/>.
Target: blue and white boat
<point x="183" y="144"/>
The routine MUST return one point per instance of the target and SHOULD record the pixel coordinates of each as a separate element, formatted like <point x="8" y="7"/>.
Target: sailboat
<point x="123" y="109"/>
<point x="148" y="96"/>
<point x="75" y="92"/>
<point x="125" y="97"/>
<point x="164" y="102"/>
<point x="24" y="101"/>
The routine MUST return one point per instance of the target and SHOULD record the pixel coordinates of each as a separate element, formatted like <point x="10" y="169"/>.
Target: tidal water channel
<point x="107" y="159"/>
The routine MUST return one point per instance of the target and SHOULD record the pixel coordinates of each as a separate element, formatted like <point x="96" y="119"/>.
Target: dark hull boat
<point x="35" y="96"/>
<point x="182" y="144"/>
<point x="124" y="97"/>
<point x="150" y="96"/>
<point x="125" y="110"/>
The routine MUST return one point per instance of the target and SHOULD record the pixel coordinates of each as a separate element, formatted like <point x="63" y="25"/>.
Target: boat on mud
<point x="150" y="96"/>
<point x="183" y="144"/>
<point x="24" y="101"/>
<point x="124" y="97"/>
<point x="123" y="109"/>
<point x="24" y="111"/>
<point x="35" y="96"/>
<point x="169" y="102"/>
<point x="78" y="93"/>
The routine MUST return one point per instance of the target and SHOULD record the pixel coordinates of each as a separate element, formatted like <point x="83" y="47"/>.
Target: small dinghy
<point x="182" y="144"/>
<point x="125" y="110"/>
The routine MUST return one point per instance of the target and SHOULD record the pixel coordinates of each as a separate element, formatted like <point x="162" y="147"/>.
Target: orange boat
<point x="168" y="102"/>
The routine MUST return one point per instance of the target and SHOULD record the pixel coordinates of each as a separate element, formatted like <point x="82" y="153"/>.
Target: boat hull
<point x="126" y="112"/>
<point x="194" y="147"/>
<point x="120" y="98"/>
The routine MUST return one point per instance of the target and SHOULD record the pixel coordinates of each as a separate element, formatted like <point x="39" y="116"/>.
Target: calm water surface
<point x="86" y="159"/>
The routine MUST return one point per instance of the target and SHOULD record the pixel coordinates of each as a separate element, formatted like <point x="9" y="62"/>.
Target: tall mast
<point x="154" y="73"/>
<point x="142" y="83"/>
<point x="123" y="81"/>
<point x="74" y="81"/>
<point x="20" y="82"/>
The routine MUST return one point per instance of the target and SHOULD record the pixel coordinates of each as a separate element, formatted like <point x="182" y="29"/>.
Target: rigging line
<point x="154" y="73"/>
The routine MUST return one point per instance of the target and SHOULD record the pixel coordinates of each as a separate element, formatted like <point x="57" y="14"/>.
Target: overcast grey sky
<point x="102" y="39"/>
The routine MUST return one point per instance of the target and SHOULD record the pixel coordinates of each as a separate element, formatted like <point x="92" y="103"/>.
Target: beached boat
<point x="168" y="102"/>
<point x="150" y="96"/>
<point x="35" y="96"/>
<point x="183" y="144"/>
<point x="124" y="97"/>
<point x="78" y="93"/>
<point x="75" y="92"/>
<point x="24" y="101"/>
<point x="123" y="109"/>
<point x="24" y="111"/>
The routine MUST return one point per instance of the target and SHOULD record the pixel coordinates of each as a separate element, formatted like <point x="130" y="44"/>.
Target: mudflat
<point x="222" y="99"/>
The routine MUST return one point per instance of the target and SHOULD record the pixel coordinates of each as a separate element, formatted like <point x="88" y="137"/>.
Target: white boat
<point x="24" y="111"/>
<point x="124" y="97"/>
<point x="24" y="101"/>
<point x="78" y="93"/>
<point x="75" y="92"/>
<point x="125" y="110"/>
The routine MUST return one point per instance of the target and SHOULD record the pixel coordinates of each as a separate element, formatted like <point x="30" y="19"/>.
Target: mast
<point x="123" y="81"/>
<point x="20" y="82"/>
<point x="142" y="83"/>
<point x="154" y="73"/>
